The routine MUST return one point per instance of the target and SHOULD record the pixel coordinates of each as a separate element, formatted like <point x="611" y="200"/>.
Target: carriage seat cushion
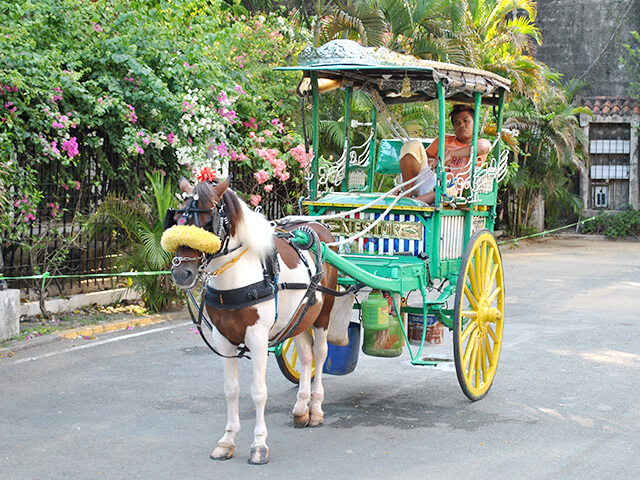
<point x="389" y="155"/>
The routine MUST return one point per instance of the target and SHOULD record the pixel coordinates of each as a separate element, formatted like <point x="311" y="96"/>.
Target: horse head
<point x="199" y="228"/>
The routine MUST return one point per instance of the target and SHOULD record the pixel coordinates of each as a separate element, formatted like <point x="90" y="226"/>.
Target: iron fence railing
<point x="78" y="191"/>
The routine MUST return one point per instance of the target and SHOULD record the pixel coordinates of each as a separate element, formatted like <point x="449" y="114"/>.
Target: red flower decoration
<point x="206" y="175"/>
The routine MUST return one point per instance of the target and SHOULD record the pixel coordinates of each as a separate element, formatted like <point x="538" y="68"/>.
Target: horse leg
<point x="257" y="340"/>
<point x="226" y="445"/>
<point x="303" y="344"/>
<point x="320" y="349"/>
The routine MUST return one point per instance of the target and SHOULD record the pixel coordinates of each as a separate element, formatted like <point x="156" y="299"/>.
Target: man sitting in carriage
<point x="419" y="163"/>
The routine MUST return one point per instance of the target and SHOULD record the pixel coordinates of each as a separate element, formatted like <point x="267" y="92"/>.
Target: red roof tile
<point x="623" y="106"/>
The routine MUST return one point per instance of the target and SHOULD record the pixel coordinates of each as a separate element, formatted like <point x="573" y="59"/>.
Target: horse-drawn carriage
<point x="353" y="239"/>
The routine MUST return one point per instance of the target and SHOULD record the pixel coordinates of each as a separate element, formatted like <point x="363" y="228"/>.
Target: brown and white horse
<point x="247" y="240"/>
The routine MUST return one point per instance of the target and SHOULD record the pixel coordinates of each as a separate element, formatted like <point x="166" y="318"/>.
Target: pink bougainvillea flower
<point x="261" y="176"/>
<point x="71" y="147"/>
<point x="206" y="175"/>
<point x="138" y="148"/>
<point x="278" y="124"/>
<point x="299" y="153"/>
<point x="223" y="151"/>
<point x="96" y="27"/>
<point x="268" y="187"/>
<point x="267" y="133"/>
<point x="255" y="200"/>
<point x="132" y="114"/>
<point x="54" y="148"/>
<point x="284" y="176"/>
<point x="171" y="137"/>
<point x="239" y="89"/>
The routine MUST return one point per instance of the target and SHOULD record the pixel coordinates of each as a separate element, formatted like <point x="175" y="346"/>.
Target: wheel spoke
<point x="478" y="363"/>
<point x="476" y="278"/>
<point x="493" y="295"/>
<point x="471" y="274"/>
<point x="489" y="352"/>
<point x="469" y="347"/>
<point x="483" y="359"/>
<point x="471" y="326"/>
<point x="286" y="346"/>
<point x="483" y="265"/>
<point x="472" y="370"/>
<point x="492" y="334"/>
<point x="470" y="296"/>
<point x="489" y="266"/>
<point x="494" y="273"/>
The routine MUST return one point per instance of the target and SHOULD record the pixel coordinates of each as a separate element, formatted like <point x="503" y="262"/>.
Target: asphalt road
<point x="148" y="403"/>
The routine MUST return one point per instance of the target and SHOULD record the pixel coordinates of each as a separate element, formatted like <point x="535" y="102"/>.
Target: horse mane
<point x="251" y="228"/>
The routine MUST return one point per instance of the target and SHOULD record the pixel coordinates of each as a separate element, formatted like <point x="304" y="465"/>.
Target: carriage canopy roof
<point x="396" y="77"/>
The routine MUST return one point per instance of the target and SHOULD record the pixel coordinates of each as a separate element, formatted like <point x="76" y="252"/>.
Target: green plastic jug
<point x="384" y="343"/>
<point x="375" y="312"/>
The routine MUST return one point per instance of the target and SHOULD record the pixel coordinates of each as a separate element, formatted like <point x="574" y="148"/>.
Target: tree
<point x="633" y="64"/>
<point x="551" y="144"/>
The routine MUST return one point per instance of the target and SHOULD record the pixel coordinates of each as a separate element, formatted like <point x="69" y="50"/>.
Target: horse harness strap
<point x="197" y="320"/>
<point x="264" y="290"/>
<point x="229" y="264"/>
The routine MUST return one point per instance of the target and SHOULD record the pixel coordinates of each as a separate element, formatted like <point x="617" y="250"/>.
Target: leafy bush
<point x="97" y="93"/>
<point x="139" y="222"/>
<point x="622" y="224"/>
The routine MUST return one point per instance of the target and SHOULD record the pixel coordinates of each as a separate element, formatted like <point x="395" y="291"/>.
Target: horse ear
<point x="184" y="185"/>
<point x="221" y="187"/>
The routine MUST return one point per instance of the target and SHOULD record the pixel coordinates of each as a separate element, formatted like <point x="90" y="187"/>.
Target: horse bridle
<point x="218" y="225"/>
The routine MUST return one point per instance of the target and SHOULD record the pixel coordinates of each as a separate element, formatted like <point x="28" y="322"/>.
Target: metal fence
<point x="86" y="187"/>
<point x="77" y="190"/>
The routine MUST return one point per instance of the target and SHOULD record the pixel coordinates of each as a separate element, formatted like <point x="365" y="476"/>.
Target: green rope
<point x="546" y="232"/>
<point x="47" y="275"/>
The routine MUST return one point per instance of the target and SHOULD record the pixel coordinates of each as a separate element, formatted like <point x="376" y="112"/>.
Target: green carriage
<point x="391" y="243"/>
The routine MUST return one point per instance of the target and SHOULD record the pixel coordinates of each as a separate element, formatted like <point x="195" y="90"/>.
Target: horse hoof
<point x="301" y="421"/>
<point x="259" y="455"/>
<point x="316" y="420"/>
<point x="222" y="452"/>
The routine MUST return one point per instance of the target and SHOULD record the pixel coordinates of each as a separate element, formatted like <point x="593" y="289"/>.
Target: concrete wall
<point x="575" y="35"/>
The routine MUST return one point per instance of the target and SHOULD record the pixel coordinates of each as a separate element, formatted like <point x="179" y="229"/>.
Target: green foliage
<point x="102" y="87"/>
<point x="552" y="146"/>
<point x="139" y="222"/>
<point x="621" y="224"/>
<point x="171" y="83"/>
<point x="633" y="63"/>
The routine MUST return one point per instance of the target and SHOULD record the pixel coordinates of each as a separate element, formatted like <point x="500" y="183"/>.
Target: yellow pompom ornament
<point x="190" y="236"/>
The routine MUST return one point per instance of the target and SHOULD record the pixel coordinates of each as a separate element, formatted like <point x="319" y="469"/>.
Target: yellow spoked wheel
<point x="479" y="315"/>
<point x="287" y="358"/>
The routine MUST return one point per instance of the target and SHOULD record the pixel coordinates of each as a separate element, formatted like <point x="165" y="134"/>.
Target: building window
<point x="610" y="172"/>
<point x="600" y="195"/>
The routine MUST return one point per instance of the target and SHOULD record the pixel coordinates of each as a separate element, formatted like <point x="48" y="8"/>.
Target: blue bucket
<point x="343" y="360"/>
